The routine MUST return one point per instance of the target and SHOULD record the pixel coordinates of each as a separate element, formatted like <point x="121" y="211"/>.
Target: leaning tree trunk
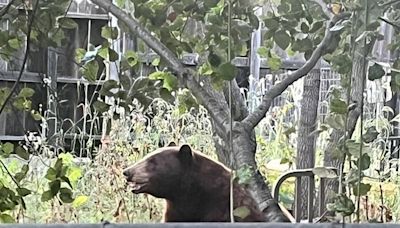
<point x="356" y="96"/>
<point x="305" y="157"/>
<point x="244" y="142"/>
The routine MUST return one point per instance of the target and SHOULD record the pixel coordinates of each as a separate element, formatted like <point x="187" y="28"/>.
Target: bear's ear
<point x="185" y="154"/>
<point x="171" y="144"/>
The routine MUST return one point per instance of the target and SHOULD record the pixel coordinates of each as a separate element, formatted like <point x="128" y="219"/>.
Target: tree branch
<point x="206" y="95"/>
<point x="255" y="117"/>
<point x="4" y="10"/>
<point x="27" y="49"/>
<point x="389" y="22"/>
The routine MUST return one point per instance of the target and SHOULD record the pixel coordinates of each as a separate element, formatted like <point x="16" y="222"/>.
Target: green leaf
<point x="90" y="70"/>
<point x="304" y="27"/>
<point x="108" y="86"/>
<point x="74" y="174"/>
<point x="55" y="186"/>
<point x="21" y="174"/>
<point x="66" y="195"/>
<point x="14" y="43"/>
<point x="22" y="153"/>
<point x="214" y="59"/>
<point x="342" y="204"/>
<point x="282" y="39"/>
<point x="67" y="158"/>
<point x="79" y="201"/>
<point x="51" y="174"/>
<point x="170" y="82"/>
<point x="79" y="54"/>
<point x="338" y="106"/>
<point x="66" y="180"/>
<point x="23" y="191"/>
<point x="316" y="26"/>
<point x="364" y="189"/>
<point x="26" y="92"/>
<point x="352" y="176"/>
<point x="272" y="23"/>
<point x="241" y="212"/>
<point x="103" y="52"/>
<point x="375" y="72"/>
<point x="109" y="32"/>
<point x="305" y="45"/>
<point x="58" y="166"/>
<point x="324" y="172"/>
<point x="244" y="174"/>
<point x="370" y="135"/>
<point x="227" y="71"/>
<point x="353" y="148"/>
<point x="108" y="53"/>
<point x="131" y="57"/>
<point x="206" y="69"/>
<point x="46" y="196"/>
<point x="262" y="51"/>
<point x="113" y="55"/>
<point x="335" y="121"/>
<point x="67" y="23"/>
<point x="295" y="6"/>
<point x="284" y="160"/>
<point x="101" y="107"/>
<point x="365" y="162"/>
<point x="120" y="3"/>
<point x="126" y="81"/>
<point x="22" y="104"/>
<point x="6" y="218"/>
<point x="274" y="63"/>
<point x="7" y="148"/>
<point x="283" y="8"/>
<point x="36" y="115"/>
<point x="155" y="61"/>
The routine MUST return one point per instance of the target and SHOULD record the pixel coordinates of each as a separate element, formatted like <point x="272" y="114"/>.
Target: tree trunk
<point x="305" y="157"/>
<point x="356" y="96"/>
<point x="244" y="145"/>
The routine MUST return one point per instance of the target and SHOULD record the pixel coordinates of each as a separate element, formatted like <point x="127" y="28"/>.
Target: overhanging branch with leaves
<point x="208" y="97"/>
<point x="330" y="35"/>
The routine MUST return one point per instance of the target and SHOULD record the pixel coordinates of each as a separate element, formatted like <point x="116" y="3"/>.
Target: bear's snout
<point x="128" y="173"/>
<point x="125" y="172"/>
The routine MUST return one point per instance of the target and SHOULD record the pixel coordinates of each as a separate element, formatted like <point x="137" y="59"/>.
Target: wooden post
<point x="255" y="63"/>
<point x="52" y="98"/>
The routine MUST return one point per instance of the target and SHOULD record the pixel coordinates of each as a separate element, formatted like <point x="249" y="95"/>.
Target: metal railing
<point x="298" y="174"/>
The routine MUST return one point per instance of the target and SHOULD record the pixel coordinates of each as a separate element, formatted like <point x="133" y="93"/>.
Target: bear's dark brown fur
<point x="196" y="188"/>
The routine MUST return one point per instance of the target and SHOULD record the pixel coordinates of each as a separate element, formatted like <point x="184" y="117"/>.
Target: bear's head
<point x="160" y="172"/>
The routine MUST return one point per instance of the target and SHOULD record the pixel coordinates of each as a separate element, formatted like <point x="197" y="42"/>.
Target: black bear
<point x="196" y="188"/>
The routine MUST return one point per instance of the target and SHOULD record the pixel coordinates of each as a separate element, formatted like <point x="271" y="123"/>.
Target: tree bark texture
<point x="305" y="157"/>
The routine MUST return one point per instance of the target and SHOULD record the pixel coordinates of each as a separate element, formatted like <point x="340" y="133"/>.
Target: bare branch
<point x="254" y="118"/>
<point x="390" y="23"/>
<point x="212" y="100"/>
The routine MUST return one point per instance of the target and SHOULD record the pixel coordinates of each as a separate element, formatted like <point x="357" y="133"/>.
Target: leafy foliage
<point x="184" y="27"/>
